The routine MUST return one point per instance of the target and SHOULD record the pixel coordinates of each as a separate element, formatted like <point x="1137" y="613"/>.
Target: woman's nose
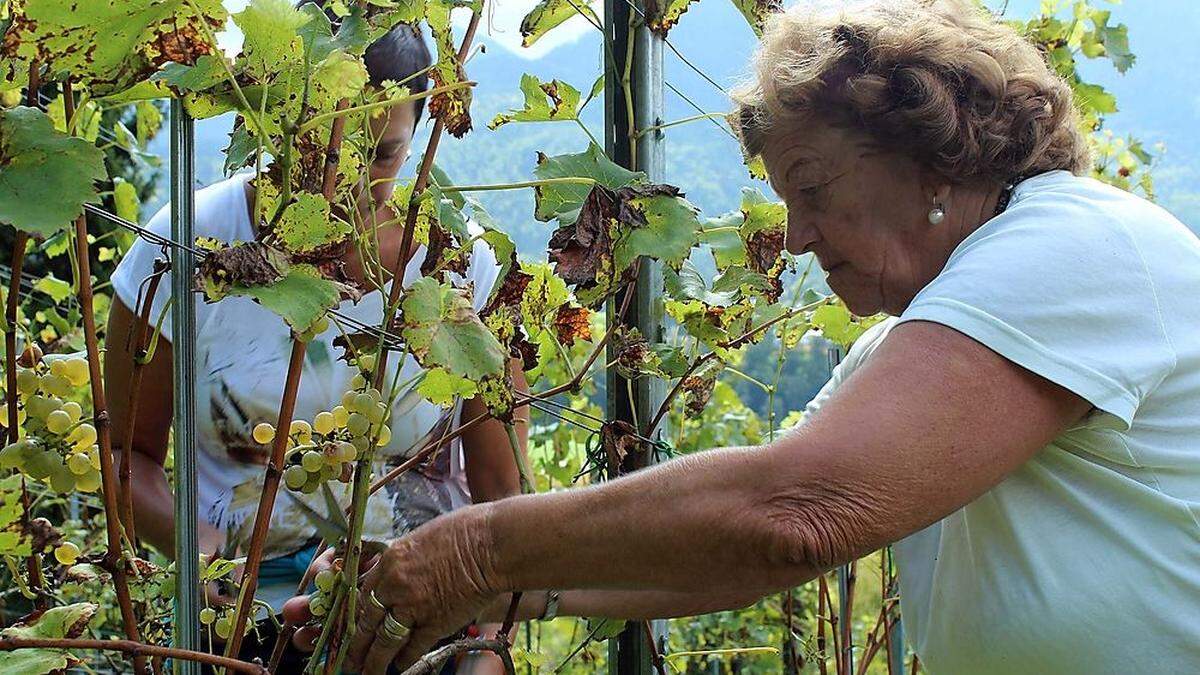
<point x="800" y="235"/>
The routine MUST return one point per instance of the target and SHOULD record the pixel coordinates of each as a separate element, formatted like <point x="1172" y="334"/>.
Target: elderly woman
<point x="1027" y="429"/>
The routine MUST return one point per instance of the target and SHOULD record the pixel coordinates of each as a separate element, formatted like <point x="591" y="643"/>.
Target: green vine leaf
<point x="548" y="15"/>
<point x="306" y="226"/>
<point x="106" y="45"/>
<point x="441" y="387"/>
<point x="563" y="201"/>
<point x="47" y="176"/>
<point x="69" y="621"/>
<point x="271" y="35"/>
<point x="551" y="101"/>
<point x="301" y="298"/>
<point x="671" y="228"/>
<point x="442" y="330"/>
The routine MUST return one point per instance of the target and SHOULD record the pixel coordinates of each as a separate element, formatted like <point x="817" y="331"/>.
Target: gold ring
<point x="393" y="629"/>
<point x="374" y="602"/>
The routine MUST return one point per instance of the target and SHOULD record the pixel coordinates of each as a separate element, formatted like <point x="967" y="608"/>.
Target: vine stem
<point x="266" y="503"/>
<point x="114" y="558"/>
<point x="135" y="387"/>
<point x="434" y="661"/>
<point x="847" y="624"/>
<point x="410" y="216"/>
<point x="564" y="180"/>
<point x="570" y="385"/>
<point x="33" y="563"/>
<point x="729" y="344"/>
<point x="316" y="120"/>
<point x="132" y="647"/>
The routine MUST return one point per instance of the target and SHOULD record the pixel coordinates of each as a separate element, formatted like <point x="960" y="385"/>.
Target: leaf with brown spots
<point x="573" y="323"/>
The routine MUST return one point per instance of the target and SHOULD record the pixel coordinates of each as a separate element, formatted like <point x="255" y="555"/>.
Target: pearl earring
<point x="937" y="214"/>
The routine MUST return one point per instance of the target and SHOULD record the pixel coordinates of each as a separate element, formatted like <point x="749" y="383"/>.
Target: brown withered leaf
<point x="571" y="324"/>
<point x="697" y="391"/>
<point x="442" y="243"/>
<point x="583" y="250"/>
<point x="623" y="449"/>
<point x="246" y="263"/>
<point x="511" y="290"/>
<point x="634" y="355"/>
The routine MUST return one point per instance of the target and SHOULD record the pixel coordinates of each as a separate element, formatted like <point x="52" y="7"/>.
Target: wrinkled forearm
<point x="731" y="522"/>
<point x="615" y="604"/>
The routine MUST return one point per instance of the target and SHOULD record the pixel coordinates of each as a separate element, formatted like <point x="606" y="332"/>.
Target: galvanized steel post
<point x="626" y="33"/>
<point x="183" y="350"/>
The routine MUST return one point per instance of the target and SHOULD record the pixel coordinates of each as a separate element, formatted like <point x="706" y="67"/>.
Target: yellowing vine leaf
<point x="106" y="45"/>
<point x="441" y="387"/>
<point x="454" y="107"/>
<point x="662" y="15"/>
<point x="442" y="330"/>
<point x="45" y="176"/>
<point x="69" y="621"/>
<point x="548" y="15"/>
<point x="757" y="11"/>
<point x="544" y="102"/>
<point x="306" y="226"/>
<point x="270" y="29"/>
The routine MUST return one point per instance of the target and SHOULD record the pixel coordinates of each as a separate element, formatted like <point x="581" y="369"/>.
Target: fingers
<point x="296" y="611"/>
<point x="388" y="641"/>
<point x="323" y="561"/>
<point x="418" y="645"/>
<point x="305" y="638"/>
<point x="371" y="614"/>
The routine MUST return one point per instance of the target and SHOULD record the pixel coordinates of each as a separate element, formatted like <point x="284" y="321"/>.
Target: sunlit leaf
<point x="47" y="177"/>
<point x="442" y="330"/>
<point x="544" y="102"/>
<point x="548" y="15"/>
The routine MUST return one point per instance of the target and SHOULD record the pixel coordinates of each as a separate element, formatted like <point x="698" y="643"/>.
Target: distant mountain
<point x="1158" y="99"/>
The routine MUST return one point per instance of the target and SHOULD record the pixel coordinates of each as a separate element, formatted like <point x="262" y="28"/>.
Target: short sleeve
<point x="859" y="352"/>
<point x="220" y="213"/>
<point x="1059" y="288"/>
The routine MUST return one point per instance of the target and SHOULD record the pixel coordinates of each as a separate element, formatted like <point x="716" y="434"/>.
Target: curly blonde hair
<point x="941" y="81"/>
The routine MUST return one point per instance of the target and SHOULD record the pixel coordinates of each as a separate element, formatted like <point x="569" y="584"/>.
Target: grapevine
<point x="305" y="115"/>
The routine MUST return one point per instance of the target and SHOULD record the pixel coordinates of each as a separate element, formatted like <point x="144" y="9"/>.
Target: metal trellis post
<point x="183" y="349"/>
<point x="635" y="402"/>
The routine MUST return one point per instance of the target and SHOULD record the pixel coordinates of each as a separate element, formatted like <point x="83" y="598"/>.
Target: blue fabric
<point x="286" y="568"/>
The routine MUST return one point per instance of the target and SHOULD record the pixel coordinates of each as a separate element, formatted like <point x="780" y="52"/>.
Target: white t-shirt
<point x="242" y="355"/>
<point x="1087" y="558"/>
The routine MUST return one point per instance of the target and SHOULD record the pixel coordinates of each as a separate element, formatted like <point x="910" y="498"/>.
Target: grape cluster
<point x="320" y="601"/>
<point x="56" y="444"/>
<point x="326" y="448"/>
<point x="222" y="621"/>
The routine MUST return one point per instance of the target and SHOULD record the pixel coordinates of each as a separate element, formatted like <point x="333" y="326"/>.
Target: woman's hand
<point x="432" y="582"/>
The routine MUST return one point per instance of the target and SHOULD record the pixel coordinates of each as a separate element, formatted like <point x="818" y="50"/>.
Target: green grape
<point x="346" y="452"/>
<point x="360" y="443"/>
<point x="312" y="461"/>
<point x="79" y="464"/>
<point x="312" y="483"/>
<point x="318" y="605"/>
<point x="66" y="553"/>
<point x="348" y="400"/>
<point x="40" y="463"/>
<point x="58" y="422"/>
<point x="358" y="382"/>
<point x="224" y="627"/>
<point x="89" y="482"/>
<point x="324" y="423"/>
<point x="74" y="410"/>
<point x="27" y="381"/>
<point x="93" y="454"/>
<point x="363" y="403"/>
<point x="13" y="454"/>
<point x="340" y="416"/>
<point x="385" y="436"/>
<point x="301" y="430"/>
<point x="76" y="371"/>
<point x="58" y="367"/>
<point x="39" y="406"/>
<point x="325" y="580"/>
<point x="208" y="615"/>
<point x="376" y="413"/>
<point x="62" y="479"/>
<point x="56" y="385"/>
<point x="83" y="437"/>
<point x="358" y="424"/>
<point x="295" y="477"/>
<point x="263" y="433"/>
<point x="366" y="362"/>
